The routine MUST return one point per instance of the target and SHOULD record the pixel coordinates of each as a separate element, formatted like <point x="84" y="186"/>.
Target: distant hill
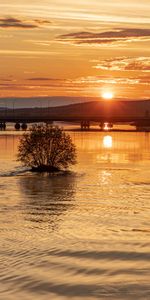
<point x="95" y="108"/>
<point x="113" y="108"/>
<point x="41" y="102"/>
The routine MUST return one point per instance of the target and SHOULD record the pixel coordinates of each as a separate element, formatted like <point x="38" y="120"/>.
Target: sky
<point x="76" y="48"/>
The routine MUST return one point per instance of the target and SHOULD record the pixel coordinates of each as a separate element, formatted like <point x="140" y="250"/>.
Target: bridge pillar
<point x="17" y="126"/>
<point x="110" y="125"/>
<point x="106" y="126"/>
<point x="49" y="122"/>
<point x="85" y="125"/>
<point x="2" y="126"/>
<point x="143" y="128"/>
<point x="101" y="125"/>
<point x="24" y="126"/>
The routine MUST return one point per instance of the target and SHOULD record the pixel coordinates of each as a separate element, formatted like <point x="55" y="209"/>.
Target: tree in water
<point x="46" y="148"/>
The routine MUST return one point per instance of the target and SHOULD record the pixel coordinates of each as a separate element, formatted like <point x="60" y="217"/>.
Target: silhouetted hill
<point x="94" y="108"/>
<point x="113" y="108"/>
<point x="55" y="101"/>
<point x="42" y="101"/>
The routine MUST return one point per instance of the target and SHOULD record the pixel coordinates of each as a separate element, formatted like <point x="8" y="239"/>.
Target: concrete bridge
<point x="22" y="119"/>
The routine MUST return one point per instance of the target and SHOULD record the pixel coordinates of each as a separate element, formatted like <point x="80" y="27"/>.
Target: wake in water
<point x="16" y="172"/>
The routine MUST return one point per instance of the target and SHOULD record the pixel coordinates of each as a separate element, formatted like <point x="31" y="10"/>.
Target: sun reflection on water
<point x="107" y="141"/>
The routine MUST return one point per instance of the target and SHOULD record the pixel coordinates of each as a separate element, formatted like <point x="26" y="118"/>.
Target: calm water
<point x="83" y="235"/>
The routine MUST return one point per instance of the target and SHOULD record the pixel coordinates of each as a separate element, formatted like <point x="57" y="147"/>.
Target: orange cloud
<point x="113" y="36"/>
<point x="22" y="24"/>
<point x="125" y="64"/>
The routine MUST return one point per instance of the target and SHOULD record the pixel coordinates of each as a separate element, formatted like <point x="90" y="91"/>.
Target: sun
<point x="107" y="95"/>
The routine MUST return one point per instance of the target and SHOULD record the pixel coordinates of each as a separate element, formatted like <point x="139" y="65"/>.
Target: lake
<point x="80" y="235"/>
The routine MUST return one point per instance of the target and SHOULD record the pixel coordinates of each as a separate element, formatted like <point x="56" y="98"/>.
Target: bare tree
<point x="46" y="148"/>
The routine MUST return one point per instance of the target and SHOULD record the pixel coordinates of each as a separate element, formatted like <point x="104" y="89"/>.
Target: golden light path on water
<point x="80" y="235"/>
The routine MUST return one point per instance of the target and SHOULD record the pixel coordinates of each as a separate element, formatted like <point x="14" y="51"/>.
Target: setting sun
<point x="107" y="95"/>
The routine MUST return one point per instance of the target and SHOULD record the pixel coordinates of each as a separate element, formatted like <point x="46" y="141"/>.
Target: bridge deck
<point x="72" y="118"/>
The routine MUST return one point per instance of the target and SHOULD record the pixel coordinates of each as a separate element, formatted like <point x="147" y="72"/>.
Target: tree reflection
<point x="47" y="198"/>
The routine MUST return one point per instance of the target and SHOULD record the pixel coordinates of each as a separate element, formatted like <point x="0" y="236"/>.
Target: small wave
<point x="139" y="183"/>
<point x="100" y="255"/>
<point x="141" y="230"/>
<point x="118" y="169"/>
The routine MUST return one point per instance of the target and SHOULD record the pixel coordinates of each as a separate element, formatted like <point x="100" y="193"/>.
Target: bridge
<point x="21" y="119"/>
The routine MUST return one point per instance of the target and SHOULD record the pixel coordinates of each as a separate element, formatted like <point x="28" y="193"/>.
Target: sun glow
<point x="107" y="95"/>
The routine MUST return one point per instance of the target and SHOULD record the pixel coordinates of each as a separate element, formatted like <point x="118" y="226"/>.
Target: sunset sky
<point x="75" y="48"/>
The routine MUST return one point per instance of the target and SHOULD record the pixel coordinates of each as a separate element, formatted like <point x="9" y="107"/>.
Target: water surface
<point x="80" y="235"/>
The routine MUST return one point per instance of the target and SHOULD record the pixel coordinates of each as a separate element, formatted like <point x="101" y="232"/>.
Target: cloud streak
<point x="16" y="23"/>
<point x="12" y="22"/>
<point x="44" y="79"/>
<point x="125" y="64"/>
<point x="106" y="37"/>
<point x="96" y="81"/>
